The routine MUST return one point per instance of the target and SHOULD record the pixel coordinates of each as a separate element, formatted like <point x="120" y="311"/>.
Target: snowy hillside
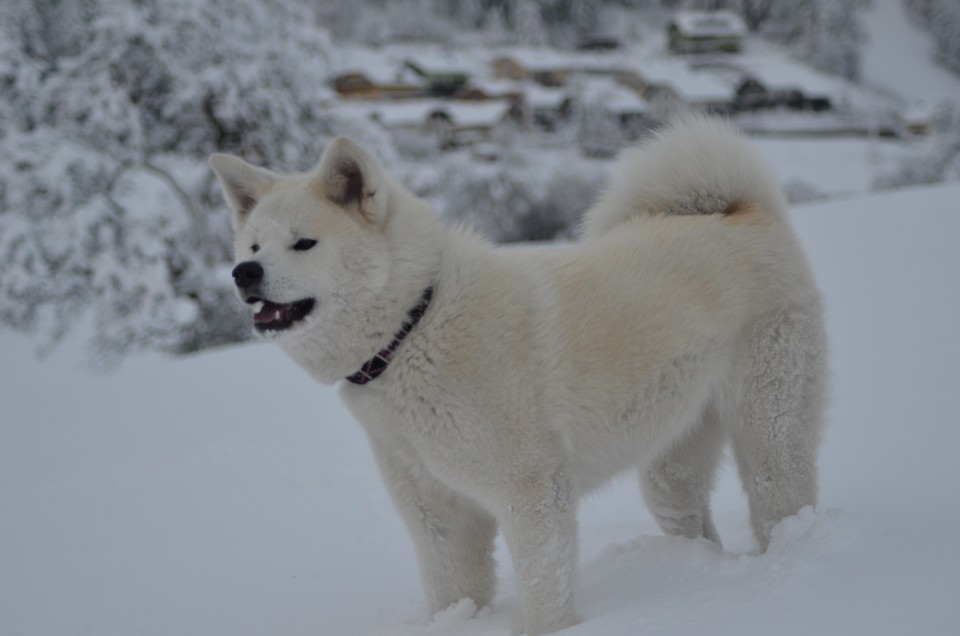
<point x="903" y="69"/>
<point x="226" y="493"/>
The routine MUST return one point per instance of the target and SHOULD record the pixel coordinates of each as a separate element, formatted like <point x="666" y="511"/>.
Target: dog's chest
<point x="453" y="441"/>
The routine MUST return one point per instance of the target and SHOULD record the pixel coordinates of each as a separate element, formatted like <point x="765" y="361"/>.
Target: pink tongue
<point x="270" y="313"/>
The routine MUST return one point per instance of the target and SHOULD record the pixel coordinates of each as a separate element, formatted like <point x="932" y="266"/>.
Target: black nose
<point x="247" y="274"/>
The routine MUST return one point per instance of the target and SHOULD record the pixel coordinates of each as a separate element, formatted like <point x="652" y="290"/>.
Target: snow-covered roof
<point x="403" y="113"/>
<point x="709" y="23"/>
<point x="783" y="72"/>
<point x="498" y="86"/>
<point x="476" y="114"/>
<point x="416" y="112"/>
<point x="535" y="59"/>
<point x="548" y="59"/>
<point x="613" y="96"/>
<point x="542" y="97"/>
<point x="691" y="85"/>
<point x="377" y="65"/>
<point x="920" y="112"/>
<point x="388" y="64"/>
<point x="436" y="65"/>
<point x="382" y="76"/>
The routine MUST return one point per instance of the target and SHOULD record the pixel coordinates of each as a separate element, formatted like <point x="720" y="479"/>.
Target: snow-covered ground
<point x="830" y="166"/>
<point x="228" y="494"/>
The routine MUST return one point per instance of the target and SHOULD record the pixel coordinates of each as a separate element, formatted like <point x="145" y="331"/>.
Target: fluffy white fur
<point x="686" y="318"/>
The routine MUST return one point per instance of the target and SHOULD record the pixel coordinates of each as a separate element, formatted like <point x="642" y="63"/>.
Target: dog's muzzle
<point x="267" y="315"/>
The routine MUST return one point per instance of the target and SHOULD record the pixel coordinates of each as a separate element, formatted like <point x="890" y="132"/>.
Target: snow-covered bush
<point x="936" y="159"/>
<point x="800" y="191"/>
<point x="515" y="201"/>
<point x="598" y="132"/>
<point x="110" y="109"/>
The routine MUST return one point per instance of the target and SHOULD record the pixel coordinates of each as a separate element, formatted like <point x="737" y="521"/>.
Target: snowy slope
<point x="897" y="56"/>
<point x="228" y="494"/>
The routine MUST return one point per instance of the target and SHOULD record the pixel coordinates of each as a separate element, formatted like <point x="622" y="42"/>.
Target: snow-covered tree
<point x="110" y="109"/>
<point x="516" y="200"/>
<point x="825" y="33"/>
<point x="942" y="19"/>
<point x="598" y="130"/>
<point x="529" y="27"/>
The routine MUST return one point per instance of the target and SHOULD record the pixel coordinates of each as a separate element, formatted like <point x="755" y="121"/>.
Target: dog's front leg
<point x="453" y="536"/>
<point x="540" y="526"/>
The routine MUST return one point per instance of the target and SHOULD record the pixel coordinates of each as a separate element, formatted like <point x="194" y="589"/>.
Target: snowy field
<point x="227" y="494"/>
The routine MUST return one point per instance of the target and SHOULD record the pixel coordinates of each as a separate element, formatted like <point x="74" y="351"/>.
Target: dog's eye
<point x="304" y="244"/>
<point x="254" y="248"/>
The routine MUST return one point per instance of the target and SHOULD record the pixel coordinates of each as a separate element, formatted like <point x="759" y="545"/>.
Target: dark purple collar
<point x="376" y="365"/>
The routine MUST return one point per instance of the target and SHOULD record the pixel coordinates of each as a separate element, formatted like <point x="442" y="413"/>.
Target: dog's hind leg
<point x="676" y="485"/>
<point x="778" y="432"/>
<point x="453" y="535"/>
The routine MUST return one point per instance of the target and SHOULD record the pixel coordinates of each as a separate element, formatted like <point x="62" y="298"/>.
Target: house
<point x="598" y="42"/>
<point x="514" y="93"/>
<point x="547" y="108"/>
<point x="621" y="104"/>
<point x="672" y="86"/>
<point x="508" y="68"/>
<point x="452" y="122"/>
<point x="360" y="85"/>
<point x="752" y="94"/>
<point x="919" y="117"/>
<point x="472" y="122"/>
<point x="543" y="72"/>
<point x="438" y="80"/>
<point x="354" y="84"/>
<point x="706" y="32"/>
<point x="763" y="82"/>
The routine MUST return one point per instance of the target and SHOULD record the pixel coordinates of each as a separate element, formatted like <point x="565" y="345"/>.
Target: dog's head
<point x="310" y="243"/>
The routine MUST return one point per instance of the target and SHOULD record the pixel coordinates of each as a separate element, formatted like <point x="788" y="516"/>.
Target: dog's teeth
<point x="258" y="307"/>
<point x="276" y="316"/>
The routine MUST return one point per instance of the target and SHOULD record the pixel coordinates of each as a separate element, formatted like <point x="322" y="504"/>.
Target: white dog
<point x="499" y="385"/>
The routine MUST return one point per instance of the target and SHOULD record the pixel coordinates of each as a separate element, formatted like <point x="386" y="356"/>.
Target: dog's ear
<point x="243" y="184"/>
<point x="351" y="178"/>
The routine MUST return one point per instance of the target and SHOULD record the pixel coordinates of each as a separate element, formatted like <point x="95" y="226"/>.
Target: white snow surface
<point x="228" y="494"/>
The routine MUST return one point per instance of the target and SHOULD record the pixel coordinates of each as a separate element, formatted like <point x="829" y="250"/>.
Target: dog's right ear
<point x="243" y="184"/>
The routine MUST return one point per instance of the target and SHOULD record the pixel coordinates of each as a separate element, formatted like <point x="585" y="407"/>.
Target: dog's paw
<point x="464" y="609"/>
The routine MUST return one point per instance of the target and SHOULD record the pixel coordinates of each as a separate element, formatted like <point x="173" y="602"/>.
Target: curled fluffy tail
<point x="697" y="165"/>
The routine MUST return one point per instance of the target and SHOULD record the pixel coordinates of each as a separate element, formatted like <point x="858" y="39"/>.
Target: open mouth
<point x="270" y="316"/>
